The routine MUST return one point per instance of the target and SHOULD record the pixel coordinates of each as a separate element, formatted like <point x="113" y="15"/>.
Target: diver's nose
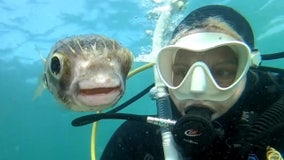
<point x="198" y="80"/>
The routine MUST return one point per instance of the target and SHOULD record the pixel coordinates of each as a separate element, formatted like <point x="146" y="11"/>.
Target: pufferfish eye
<point x="56" y="65"/>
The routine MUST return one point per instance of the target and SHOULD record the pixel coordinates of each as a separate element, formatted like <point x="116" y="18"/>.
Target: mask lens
<point x="222" y="63"/>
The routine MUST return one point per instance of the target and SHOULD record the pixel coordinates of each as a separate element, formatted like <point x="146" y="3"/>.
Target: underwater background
<point x="41" y="128"/>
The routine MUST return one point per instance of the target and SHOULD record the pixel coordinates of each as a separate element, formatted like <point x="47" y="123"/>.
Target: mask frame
<point x="200" y="42"/>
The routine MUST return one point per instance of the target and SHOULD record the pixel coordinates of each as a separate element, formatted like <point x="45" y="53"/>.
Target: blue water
<point x="41" y="128"/>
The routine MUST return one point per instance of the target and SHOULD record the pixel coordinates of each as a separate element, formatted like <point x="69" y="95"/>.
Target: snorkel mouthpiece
<point x="194" y="131"/>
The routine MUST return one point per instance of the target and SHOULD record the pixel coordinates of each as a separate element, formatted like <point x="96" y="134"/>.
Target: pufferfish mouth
<point x="98" y="97"/>
<point x="94" y="91"/>
<point x="98" y="94"/>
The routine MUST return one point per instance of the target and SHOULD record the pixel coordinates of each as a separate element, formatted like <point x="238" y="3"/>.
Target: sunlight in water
<point x="166" y="14"/>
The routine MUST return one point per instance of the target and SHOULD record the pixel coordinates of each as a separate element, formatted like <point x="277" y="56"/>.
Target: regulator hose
<point x="88" y="119"/>
<point x="270" y="123"/>
<point x="272" y="56"/>
<point x="270" y="69"/>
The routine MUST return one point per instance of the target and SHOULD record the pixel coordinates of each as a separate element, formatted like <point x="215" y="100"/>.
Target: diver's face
<point x="223" y="64"/>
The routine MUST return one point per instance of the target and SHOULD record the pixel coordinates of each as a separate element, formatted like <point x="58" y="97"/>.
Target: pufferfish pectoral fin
<point x="42" y="79"/>
<point x="40" y="55"/>
<point x="41" y="87"/>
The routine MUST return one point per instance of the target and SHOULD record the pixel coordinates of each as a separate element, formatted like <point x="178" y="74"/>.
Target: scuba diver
<point x="225" y="104"/>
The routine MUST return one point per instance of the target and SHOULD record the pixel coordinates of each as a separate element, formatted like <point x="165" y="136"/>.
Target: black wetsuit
<point x="244" y="137"/>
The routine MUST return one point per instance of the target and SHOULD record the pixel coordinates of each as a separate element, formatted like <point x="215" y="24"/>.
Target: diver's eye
<point x="55" y="65"/>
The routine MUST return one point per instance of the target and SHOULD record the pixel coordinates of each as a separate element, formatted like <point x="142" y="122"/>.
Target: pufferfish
<point x="87" y="72"/>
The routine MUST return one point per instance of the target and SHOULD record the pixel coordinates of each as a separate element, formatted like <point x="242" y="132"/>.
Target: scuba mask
<point x="205" y="66"/>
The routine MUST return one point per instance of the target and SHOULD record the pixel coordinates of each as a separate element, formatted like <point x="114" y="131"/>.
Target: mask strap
<point x="273" y="56"/>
